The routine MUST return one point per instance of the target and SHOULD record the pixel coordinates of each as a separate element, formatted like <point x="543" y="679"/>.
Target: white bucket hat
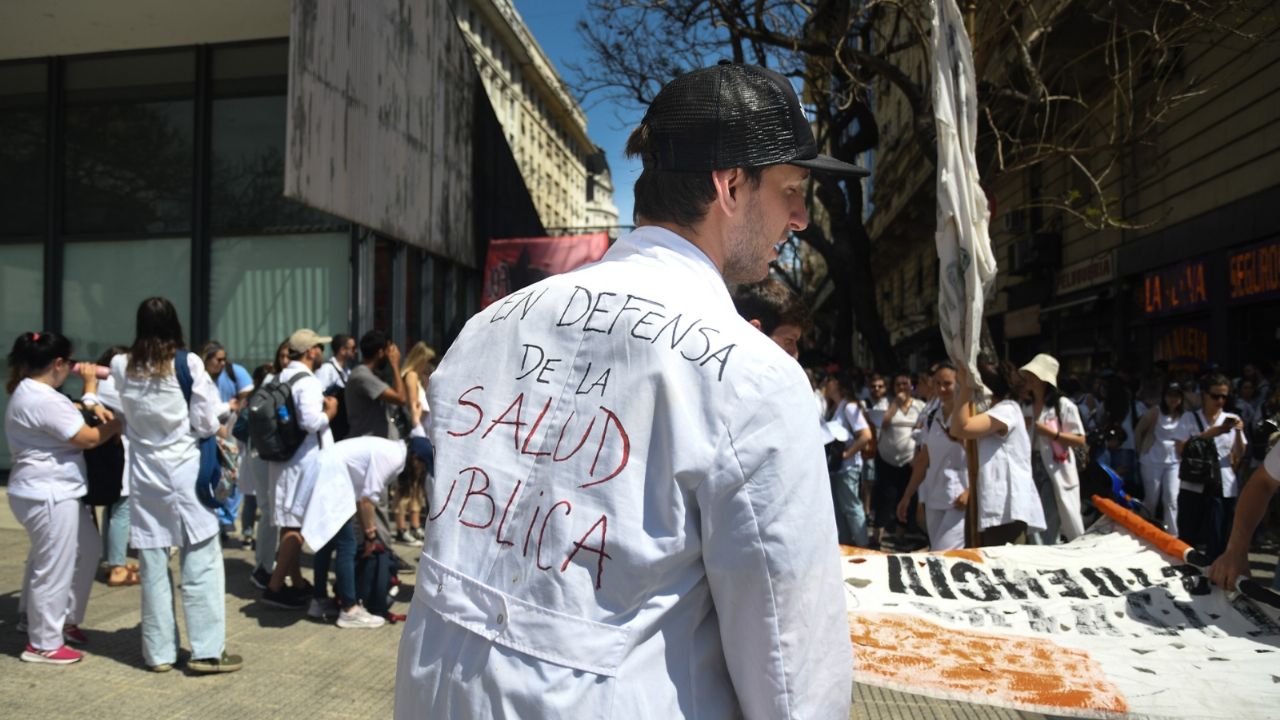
<point x="1044" y="367"/>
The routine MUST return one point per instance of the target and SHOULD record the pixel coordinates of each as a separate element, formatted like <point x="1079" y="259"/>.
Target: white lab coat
<point x="347" y="470"/>
<point x="163" y="459"/>
<point x="631" y="515"/>
<point x="287" y="477"/>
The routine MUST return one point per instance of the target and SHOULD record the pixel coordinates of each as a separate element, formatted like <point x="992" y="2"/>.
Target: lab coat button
<point x="502" y="618"/>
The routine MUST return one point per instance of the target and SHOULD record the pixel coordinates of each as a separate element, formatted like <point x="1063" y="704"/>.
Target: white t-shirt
<point x="1163" y="449"/>
<point x="1272" y="462"/>
<point x="1188" y="428"/>
<point x="371" y="463"/>
<point x="855" y="421"/>
<point x="40" y="422"/>
<point x="332" y="373"/>
<point x="895" y="444"/>
<point x="423" y="426"/>
<point x="1006" y="491"/>
<point x="876" y="411"/>
<point x="948" y="474"/>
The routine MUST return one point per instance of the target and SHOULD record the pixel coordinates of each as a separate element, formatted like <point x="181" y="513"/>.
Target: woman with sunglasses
<point x="47" y="439"/>
<point x="1205" y="517"/>
<point x="1160" y="459"/>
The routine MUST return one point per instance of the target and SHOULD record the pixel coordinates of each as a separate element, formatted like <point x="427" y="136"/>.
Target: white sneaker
<point x="322" y="609"/>
<point x="356" y="617"/>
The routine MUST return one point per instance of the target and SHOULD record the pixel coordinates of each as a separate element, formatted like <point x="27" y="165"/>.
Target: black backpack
<point x="105" y="466"/>
<point x="1200" y="462"/>
<point x="274" y="432"/>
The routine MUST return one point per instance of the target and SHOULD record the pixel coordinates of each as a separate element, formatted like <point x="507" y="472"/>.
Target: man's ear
<point x="728" y="185"/>
<point x="756" y="324"/>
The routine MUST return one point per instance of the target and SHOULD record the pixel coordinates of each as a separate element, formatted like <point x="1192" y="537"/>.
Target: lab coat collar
<point x="298" y="366"/>
<point x="671" y="249"/>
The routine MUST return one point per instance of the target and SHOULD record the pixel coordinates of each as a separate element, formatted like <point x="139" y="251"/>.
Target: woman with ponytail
<point x="47" y="439"/>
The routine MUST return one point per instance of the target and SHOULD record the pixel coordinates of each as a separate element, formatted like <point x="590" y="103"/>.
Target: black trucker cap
<point x="732" y="115"/>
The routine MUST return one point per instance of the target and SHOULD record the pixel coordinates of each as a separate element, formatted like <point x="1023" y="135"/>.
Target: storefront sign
<point x="1178" y="288"/>
<point x="1086" y="274"/>
<point x="1024" y="322"/>
<point x="1183" y="345"/>
<point x="1254" y="272"/>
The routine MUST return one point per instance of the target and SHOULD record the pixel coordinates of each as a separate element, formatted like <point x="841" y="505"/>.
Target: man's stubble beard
<point x="747" y="254"/>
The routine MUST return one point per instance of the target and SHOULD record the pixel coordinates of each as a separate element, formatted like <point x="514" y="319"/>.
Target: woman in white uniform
<point x="940" y="471"/>
<point x="1056" y="428"/>
<point x="1008" y="504"/>
<point x="1160" y="460"/>
<point x="164" y="461"/>
<point x="47" y="438"/>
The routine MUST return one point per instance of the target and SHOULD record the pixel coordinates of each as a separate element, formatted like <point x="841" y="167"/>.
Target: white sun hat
<point x="1045" y="367"/>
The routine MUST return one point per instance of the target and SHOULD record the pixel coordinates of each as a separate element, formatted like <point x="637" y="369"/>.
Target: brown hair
<point x="673" y="196"/>
<point x="157" y="340"/>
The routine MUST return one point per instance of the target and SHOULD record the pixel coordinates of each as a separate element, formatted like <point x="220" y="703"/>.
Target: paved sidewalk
<point x="294" y="667"/>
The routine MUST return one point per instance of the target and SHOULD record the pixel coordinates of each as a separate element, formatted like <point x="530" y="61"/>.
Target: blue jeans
<point x="115" y="532"/>
<point x="204" y="602"/>
<point x="847" y="484"/>
<point x="344" y="571"/>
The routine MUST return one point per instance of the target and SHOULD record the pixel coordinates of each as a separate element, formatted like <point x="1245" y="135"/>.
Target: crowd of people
<point x="134" y="444"/>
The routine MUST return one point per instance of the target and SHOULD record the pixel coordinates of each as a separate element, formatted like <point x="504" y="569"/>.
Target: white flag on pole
<point x="964" y="245"/>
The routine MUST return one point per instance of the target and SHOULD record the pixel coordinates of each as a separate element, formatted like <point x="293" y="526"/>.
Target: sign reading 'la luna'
<point x="1177" y="288"/>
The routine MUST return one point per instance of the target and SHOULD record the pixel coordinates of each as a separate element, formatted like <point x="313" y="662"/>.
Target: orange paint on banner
<point x="911" y="652"/>
<point x="974" y="556"/>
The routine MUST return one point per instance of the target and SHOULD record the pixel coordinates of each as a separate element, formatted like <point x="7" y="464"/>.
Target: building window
<point x="21" y="287"/>
<point x="248" y="144"/>
<point x="104" y="281"/>
<point x="23" y="123"/>
<point x="262" y="288"/>
<point x="129" y="143"/>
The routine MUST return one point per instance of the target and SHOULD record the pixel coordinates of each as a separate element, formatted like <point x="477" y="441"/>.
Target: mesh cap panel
<point x="729" y="116"/>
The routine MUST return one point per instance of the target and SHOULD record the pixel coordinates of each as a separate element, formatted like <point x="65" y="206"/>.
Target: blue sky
<point x="552" y="23"/>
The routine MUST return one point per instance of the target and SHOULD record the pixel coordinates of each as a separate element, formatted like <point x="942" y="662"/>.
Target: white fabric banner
<point x="964" y="245"/>
<point x="1104" y="627"/>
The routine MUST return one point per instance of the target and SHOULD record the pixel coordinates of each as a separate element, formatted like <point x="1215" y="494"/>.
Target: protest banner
<point x="1103" y="627"/>
<point x="516" y="263"/>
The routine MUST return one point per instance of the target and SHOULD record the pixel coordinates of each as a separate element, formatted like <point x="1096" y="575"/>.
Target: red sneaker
<point x="62" y="656"/>
<point x="393" y="618"/>
<point x="74" y="635"/>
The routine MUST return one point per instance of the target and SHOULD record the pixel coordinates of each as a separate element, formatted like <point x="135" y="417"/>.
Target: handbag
<point x="213" y="489"/>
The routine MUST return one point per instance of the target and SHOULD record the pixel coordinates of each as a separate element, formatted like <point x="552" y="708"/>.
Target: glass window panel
<point x="129" y="148"/>
<point x="247" y="188"/>
<point x="264" y="288"/>
<point x="21" y="310"/>
<point x="22" y="152"/>
<point x="246" y="70"/>
<point x="103" y="283"/>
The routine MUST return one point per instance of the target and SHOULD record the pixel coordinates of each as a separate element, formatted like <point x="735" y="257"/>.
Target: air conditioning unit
<point x="1014" y="221"/>
<point x="1034" y="252"/>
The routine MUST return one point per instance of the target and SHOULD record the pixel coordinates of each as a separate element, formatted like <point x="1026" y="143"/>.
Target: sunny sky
<point x="552" y="23"/>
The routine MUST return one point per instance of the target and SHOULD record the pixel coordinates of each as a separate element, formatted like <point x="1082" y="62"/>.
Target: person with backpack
<point x="940" y="470"/>
<point x="1056" y="430"/>
<point x="47" y="435"/>
<point x="292" y="451"/>
<point x="164" y="429"/>
<point x="1210" y="443"/>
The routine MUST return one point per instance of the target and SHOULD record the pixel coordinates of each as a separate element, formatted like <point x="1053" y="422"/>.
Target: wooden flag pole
<point x="972" y="534"/>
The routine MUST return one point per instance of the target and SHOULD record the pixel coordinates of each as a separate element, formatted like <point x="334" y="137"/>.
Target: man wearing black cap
<point x="631" y="517"/>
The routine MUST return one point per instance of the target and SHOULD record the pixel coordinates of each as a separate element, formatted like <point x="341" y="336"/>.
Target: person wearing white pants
<point x="1160" y="461"/>
<point x="940" y="470"/>
<point x="47" y="436"/>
